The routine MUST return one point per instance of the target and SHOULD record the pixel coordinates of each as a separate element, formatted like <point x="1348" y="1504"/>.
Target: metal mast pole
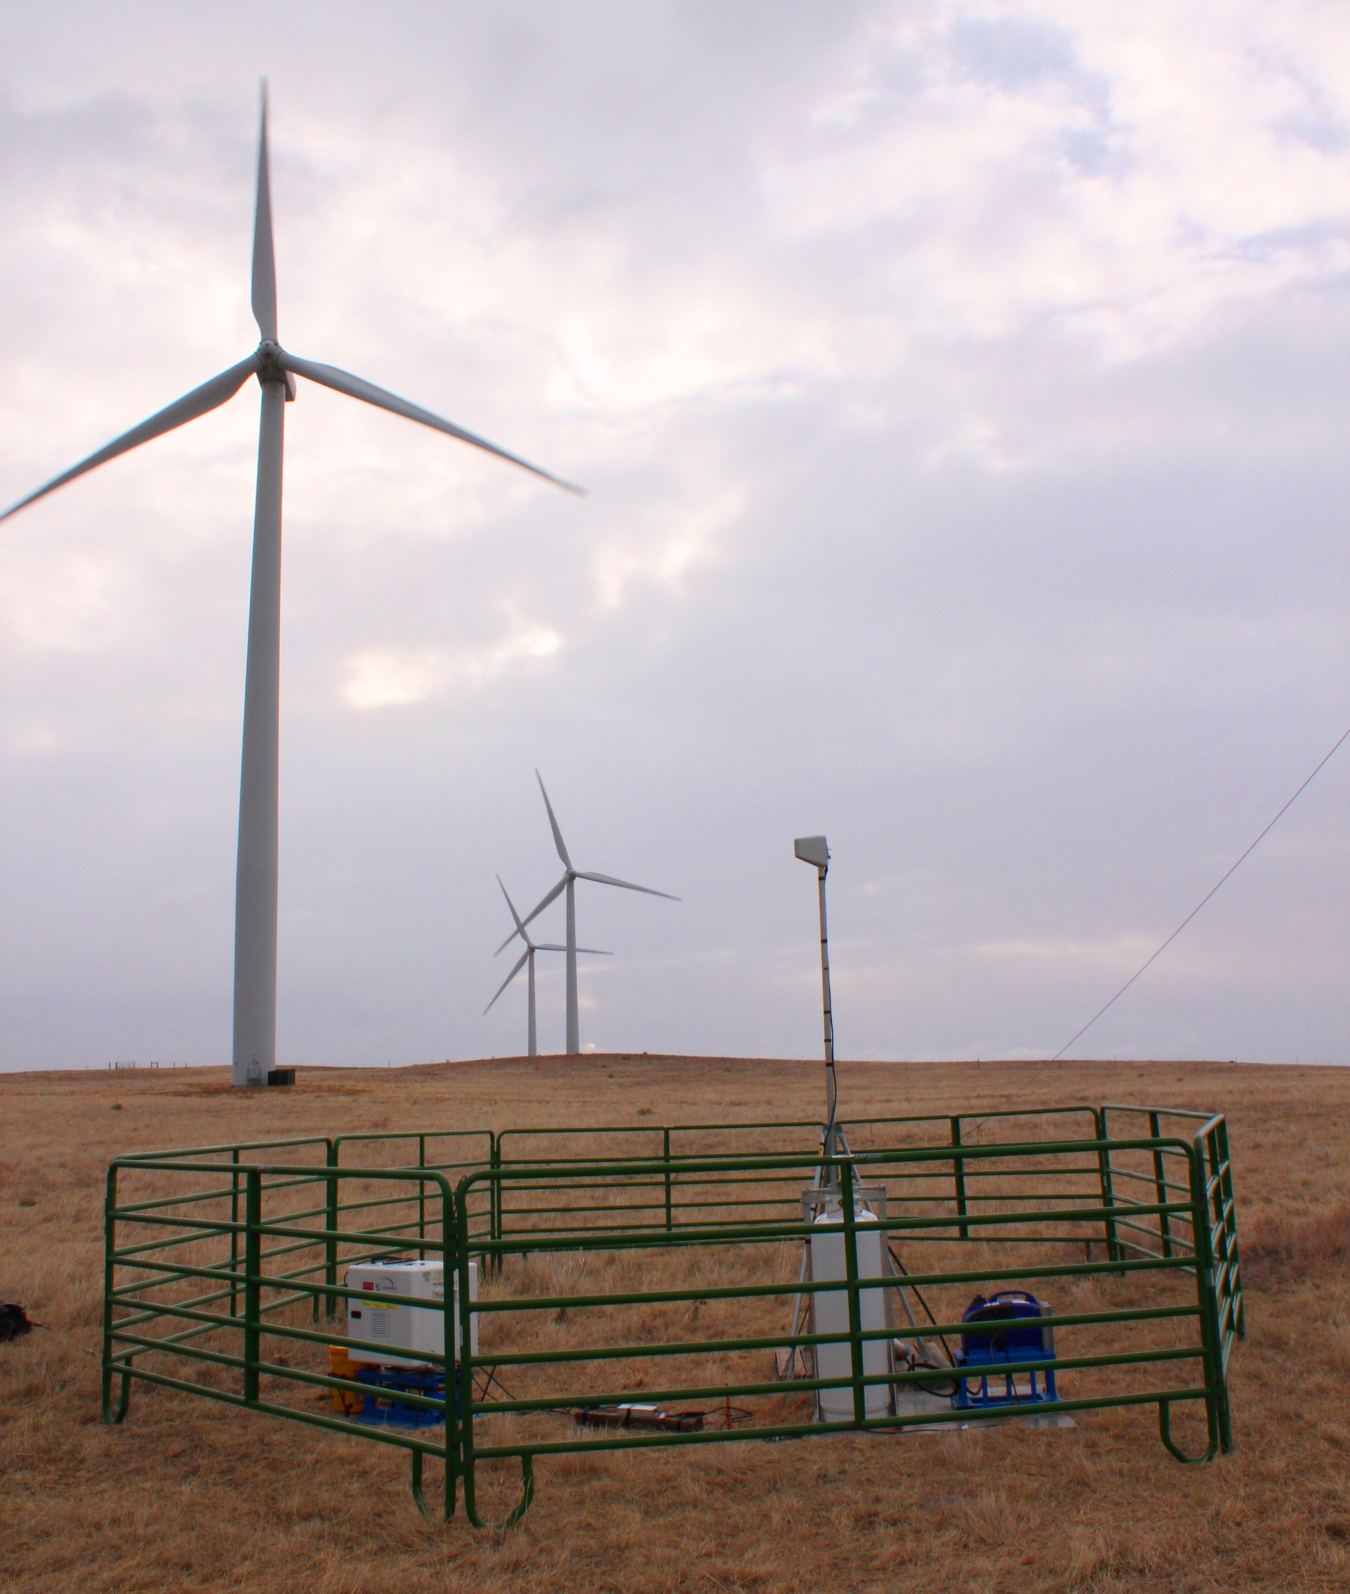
<point x="533" y="1032"/>
<point x="573" y="1024"/>
<point x="815" y="850"/>
<point x="255" y="891"/>
<point x="830" y="1089"/>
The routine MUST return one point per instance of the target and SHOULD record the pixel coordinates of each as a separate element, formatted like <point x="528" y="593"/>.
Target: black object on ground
<point x="280" y="1076"/>
<point x="14" y="1321"/>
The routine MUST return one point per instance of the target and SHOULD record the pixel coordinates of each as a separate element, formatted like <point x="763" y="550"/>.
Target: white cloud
<point x="669" y="554"/>
<point x="390" y="678"/>
<point x="71" y="603"/>
<point x="382" y="679"/>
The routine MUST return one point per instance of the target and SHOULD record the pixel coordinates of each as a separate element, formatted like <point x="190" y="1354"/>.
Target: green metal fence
<point x="670" y="1280"/>
<point x="196" y="1289"/>
<point x="676" y="1200"/>
<point x="1140" y="1180"/>
<point x="454" y="1152"/>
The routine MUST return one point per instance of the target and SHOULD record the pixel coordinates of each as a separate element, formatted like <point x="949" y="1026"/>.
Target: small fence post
<point x="494" y="1197"/>
<point x="109" y="1281"/>
<point x="252" y="1281"/>
<point x="1230" y="1230"/>
<point x="665" y="1143"/>
<point x="1215" y="1183"/>
<point x="854" y="1300"/>
<point x="1216" y="1387"/>
<point x="453" y="1389"/>
<point x="1219" y="1233"/>
<point x="1108" y="1199"/>
<point x="421" y="1200"/>
<point x="959" y="1175"/>
<point x="331" y="1222"/>
<point x="1160" y="1186"/>
<point x="459" y="1457"/>
<point x="234" y="1234"/>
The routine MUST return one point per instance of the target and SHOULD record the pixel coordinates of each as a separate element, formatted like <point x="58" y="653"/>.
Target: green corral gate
<point x="663" y="1266"/>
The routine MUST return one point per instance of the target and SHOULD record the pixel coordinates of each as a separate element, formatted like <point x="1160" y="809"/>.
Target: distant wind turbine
<point x="527" y="957"/>
<point x="568" y="884"/>
<point x="255" y="902"/>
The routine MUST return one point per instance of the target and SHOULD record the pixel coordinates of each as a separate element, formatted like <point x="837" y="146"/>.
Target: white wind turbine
<point x="527" y="957"/>
<point x="568" y="884"/>
<point x="255" y="912"/>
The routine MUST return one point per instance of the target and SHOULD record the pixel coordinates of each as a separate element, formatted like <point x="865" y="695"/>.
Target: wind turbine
<point x="255" y="903"/>
<point x="568" y="884"/>
<point x="527" y="957"/>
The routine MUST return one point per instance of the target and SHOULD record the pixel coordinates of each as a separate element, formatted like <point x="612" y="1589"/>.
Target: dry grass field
<point x="190" y="1495"/>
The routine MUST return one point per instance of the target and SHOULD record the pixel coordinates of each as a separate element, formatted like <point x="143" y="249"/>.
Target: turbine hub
<point x="270" y="368"/>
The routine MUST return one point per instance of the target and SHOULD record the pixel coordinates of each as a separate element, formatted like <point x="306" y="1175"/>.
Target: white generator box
<point x="830" y="1308"/>
<point x="403" y="1336"/>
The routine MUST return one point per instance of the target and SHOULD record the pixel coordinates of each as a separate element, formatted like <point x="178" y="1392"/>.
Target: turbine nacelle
<point x="271" y="367"/>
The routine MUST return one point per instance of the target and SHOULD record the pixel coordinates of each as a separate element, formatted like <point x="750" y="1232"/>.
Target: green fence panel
<point x="181" y="1258"/>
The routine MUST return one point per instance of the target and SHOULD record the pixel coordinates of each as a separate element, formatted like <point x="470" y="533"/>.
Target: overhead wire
<point x="1213" y="890"/>
<point x="1317" y="770"/>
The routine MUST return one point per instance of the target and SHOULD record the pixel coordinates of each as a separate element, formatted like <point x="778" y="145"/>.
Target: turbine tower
<point x="527" y="958"/>
<point x="568" y="884"/>
<point x="255" y="913"/>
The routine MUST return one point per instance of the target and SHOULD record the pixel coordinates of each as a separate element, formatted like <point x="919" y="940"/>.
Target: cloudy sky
<point x="960" y="390"/>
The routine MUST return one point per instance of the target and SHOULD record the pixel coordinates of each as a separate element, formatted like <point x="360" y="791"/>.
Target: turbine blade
<point x="511" y="976"/>
<point x="591" y="951"/>
<point x="264" y="259"/>
<point x="511" y="905"/>
<point x="545" y="900"/>
<point x="532" y="914"/>
<point x="609" y="880"/>
<point x="209" y="396"/>
<point x="356" y="387"/>
<point x="557" y="834"/>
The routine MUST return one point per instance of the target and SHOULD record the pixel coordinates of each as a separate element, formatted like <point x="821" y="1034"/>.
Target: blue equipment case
<point x="1006" y="1328"/>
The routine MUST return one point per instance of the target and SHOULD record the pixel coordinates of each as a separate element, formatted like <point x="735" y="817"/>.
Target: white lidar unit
<point x="404" y="1336"/>
<point x="829" y="1308"/>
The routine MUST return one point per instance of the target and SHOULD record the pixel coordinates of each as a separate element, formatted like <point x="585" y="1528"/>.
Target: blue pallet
<point x="1039" y="1391"/>
<point x="382" y="1408"/>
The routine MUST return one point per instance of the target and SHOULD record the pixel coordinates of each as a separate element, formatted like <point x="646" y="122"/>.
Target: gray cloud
<point x="962" y="412"/>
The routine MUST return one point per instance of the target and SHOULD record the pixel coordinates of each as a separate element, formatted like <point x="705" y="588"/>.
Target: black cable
<point x="1175" y="933"/>
<point x="1022" y="1090"/>
<point x="828" y="1139"/>
<point x="491" y="1379"/>
<point x="558" y="1411"/>
<point x="904" y="1273"/>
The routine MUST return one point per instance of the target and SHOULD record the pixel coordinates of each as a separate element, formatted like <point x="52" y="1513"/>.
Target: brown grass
<point x="1279" y="1249"/>
<point x="192" y="1496"/>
